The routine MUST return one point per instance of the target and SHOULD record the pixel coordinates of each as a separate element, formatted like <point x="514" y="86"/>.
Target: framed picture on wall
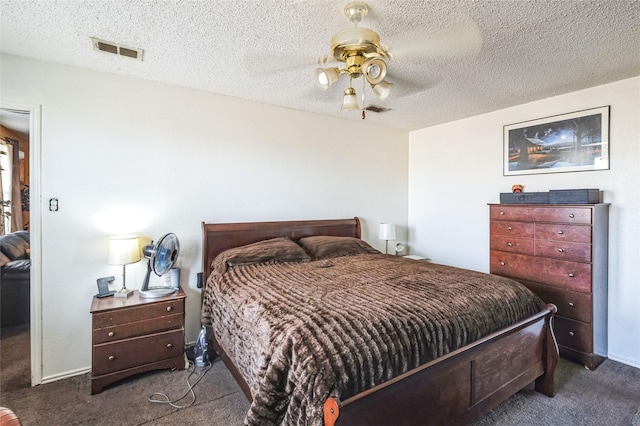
<point x="572" y="142"/>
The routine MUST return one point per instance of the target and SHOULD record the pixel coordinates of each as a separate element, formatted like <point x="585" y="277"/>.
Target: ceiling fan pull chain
<point x="363" y="107"/>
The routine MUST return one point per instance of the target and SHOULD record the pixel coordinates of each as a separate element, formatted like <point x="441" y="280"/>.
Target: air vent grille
<point x="375" y="108"/>
<point x="116" y="49"/>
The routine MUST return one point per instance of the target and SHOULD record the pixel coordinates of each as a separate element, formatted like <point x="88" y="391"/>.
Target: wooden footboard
<point x="463" y="385"/>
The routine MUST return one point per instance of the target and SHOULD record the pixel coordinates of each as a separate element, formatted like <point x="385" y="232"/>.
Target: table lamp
<point x="387" y="232"/>
<point x="124" y="250"/>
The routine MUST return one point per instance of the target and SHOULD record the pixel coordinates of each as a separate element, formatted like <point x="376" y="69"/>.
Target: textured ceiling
<point x="452" y="59"/>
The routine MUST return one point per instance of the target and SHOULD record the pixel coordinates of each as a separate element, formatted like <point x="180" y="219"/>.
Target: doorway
<point x="31" y="114"/>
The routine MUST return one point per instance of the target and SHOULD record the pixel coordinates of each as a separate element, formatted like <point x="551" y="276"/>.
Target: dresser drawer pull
<point x="110" y="334"/>
<point x="510" y="244"/>
<point x="560" y="250"/>
<point x="571" y="215"/>
<point x="571" y="333"/>
<point x="169" y="308"/>
<point x="169" y="345"/>
<point x="571" y="275"/>
<point x="571" y="304"/>
<point x="111" y="357"/>
<point x="560" y="232"/>
<point x="501" y="213"/>
<point x="502" y="263"/>
<point x="509" y="229"/>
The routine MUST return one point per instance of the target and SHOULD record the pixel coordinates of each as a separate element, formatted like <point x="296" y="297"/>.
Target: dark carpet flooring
<point x="610" y="395"/>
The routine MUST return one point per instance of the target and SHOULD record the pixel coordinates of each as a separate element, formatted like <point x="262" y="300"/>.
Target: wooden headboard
<point x="218" y="237"/>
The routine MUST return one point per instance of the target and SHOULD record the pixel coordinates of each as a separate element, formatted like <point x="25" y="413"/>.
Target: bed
<point x="304" y="352"/>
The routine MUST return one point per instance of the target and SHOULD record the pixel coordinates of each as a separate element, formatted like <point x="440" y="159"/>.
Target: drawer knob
<point x="571" y="333"/>
<point x="169" y="345"/>
<point x="509" y="229"/>
<point x="571" y="275"/>
<point x="501" y="213"/>
<point x="571" y="215"/>
<point x="560" y="232"/>
<point x="502" y="263"/>
<point x="510" y="244"/>
<point x="571" y="304"/>
<point x="560" y="250"/>
<point x="111" y="357"/>
<point x="169" y="308"/>
<point x="110" y="334"/>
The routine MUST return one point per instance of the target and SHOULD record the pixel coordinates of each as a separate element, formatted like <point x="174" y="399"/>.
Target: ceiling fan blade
<point x="461" y="39"/>
<point x="404" y="87"/>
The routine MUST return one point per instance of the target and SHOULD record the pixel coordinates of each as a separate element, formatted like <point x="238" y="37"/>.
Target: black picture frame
<point x="572" y="142"/>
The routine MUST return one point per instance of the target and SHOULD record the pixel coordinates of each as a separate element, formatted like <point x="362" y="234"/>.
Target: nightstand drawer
<point x="110" y="357"/>
<point x="136" y="313"/>
<point x="138" y="328"/>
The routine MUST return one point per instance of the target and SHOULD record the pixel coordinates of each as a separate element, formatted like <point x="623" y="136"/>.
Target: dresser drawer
<point x="577" y="252"/>
<point x="565" y="274"/>
<point x="563" y="232"/>
<point x="573" y="334"/>
<point x="141" y="312"/>
<point x="531" y="213"/>
<point x="512" y="229"/>
<point x="138" y="328"/>
<point x="569" y="214"/>
<point x="515" y="245"/>
<point x="570" y="304"/>
<point x="128" y="353"/>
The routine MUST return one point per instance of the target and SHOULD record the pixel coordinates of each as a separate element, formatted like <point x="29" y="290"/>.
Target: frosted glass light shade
<point x="387" y="231"/>
<point x="327" y="76"/>
<point x="382" y="90"/>
<point x="349" y="101"/>
<point x="124" y="249"/>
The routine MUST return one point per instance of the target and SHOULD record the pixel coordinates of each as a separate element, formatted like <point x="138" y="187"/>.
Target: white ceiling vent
<point x="116" y="49"/>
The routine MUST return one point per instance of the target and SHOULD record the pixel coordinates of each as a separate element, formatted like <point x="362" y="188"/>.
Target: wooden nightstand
<point x="135" y="335"/>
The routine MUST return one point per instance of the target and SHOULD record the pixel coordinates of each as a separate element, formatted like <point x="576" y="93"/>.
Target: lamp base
<point x="123" y="293"/>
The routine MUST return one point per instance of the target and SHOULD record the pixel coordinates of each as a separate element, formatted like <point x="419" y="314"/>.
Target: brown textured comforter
<point x="300" y="332"/>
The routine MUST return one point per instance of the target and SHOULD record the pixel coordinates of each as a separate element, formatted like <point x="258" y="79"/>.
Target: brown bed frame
<point x="457" y="388"/>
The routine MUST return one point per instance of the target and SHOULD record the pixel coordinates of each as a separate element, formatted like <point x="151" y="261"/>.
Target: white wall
<point x="125" y="155"/>
<point x="455" y="169"/>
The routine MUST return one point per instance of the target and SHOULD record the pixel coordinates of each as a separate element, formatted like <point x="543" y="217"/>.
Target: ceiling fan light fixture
<point x="382" y="89"/>
<point x="375" y="70"/>
<point x="349" y="100"/>
<point x="327" y="76"/>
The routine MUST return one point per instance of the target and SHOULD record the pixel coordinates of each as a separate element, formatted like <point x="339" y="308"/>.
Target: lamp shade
<point x="124" y="249"/>
<point x="382" y="90"/>
<point x="375" y="70"/>
<point x="387" y="231"/>
<point x="349" y="101"/>
<point x="327" y="76"/>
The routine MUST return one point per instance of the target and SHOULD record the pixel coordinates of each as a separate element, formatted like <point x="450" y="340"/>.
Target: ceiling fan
<point x="363" y="55"/>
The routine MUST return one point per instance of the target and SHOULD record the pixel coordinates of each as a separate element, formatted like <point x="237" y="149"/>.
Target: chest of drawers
<point x="559" y="251"/>
<point x="135" y="335"/>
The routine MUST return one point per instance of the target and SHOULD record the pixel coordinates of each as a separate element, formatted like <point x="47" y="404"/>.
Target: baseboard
<point x="66" y="375"/>
<point x="631" y="362"/>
